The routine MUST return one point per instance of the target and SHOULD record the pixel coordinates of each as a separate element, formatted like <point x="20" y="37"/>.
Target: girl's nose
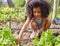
<point x="36" y="14"/>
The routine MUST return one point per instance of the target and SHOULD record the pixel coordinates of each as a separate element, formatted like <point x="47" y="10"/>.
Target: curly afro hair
<point x="45" y="7"/>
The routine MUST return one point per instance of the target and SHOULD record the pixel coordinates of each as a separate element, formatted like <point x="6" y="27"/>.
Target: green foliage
<point x="57" y="15"/>
<point x="6" y="13"/>
<point x="50" y="2"/>
<point x="47" y="39"/>
<point x="58" y="12"/>
<point x="36" y="40"/>
<point x="57" y="43"/>
<point x="19" y="3"/>
<point x="7" y="38"/>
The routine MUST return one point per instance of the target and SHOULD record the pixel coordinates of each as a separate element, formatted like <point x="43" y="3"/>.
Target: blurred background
<point x="17" y="9"/>
<point x="13" y="12"/>
<point x="13" y="16"/>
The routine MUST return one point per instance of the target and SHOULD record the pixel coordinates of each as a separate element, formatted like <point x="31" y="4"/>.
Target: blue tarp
<point x="57" y="20"/>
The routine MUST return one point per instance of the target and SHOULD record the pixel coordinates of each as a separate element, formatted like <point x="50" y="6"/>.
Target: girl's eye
<point x="36" y="12"/>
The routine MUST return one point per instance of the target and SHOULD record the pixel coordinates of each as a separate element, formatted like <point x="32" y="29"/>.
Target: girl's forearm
<point x="40" y="31"/>
<point x="24" y="28"/>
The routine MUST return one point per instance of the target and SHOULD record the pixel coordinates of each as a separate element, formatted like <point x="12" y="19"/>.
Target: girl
<point x="37" y="13"/>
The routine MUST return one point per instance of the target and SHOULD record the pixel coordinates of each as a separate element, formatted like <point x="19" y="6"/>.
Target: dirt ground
<point x="26" y="41"/>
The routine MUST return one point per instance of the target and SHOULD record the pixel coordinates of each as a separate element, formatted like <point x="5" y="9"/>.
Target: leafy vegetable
<point x="47" y="39"/>
<point x="7" y="38"/>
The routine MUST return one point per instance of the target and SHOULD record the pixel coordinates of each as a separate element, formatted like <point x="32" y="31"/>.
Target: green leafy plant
<point x="57" y="43"/>
<point x="7" y="38"/>
<point x="11" y="13"/>
<point x="47" y="39"/>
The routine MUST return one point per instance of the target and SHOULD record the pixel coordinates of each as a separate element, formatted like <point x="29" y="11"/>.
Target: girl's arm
<point x="43" y="26"/>
<point x="23" y="29"/>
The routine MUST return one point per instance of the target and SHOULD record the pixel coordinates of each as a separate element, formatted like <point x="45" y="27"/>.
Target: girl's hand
<point x="18" y="41"/>
<point x="37" y="33"/>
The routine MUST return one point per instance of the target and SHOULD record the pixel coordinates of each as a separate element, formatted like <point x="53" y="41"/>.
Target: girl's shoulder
<point x="44" y="19"/>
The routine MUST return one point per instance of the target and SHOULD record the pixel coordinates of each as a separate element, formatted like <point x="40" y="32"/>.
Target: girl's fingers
<point x="17" y="41"/>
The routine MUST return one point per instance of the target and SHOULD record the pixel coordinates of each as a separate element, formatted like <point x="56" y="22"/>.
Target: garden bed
<point x="26" y="41"/>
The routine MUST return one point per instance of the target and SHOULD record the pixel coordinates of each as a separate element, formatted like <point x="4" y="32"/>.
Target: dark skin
<point x="37" y="16"/>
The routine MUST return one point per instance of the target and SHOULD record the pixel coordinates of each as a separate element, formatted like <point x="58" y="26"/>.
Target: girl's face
<point x="37" y="12"/>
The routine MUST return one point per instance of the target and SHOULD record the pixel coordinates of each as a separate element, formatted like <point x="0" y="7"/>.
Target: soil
<point x="26" y="41"/>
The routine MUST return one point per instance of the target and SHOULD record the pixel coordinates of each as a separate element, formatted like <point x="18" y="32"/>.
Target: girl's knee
<point x="48" y="24"/>
<point x="49" y="21"/>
